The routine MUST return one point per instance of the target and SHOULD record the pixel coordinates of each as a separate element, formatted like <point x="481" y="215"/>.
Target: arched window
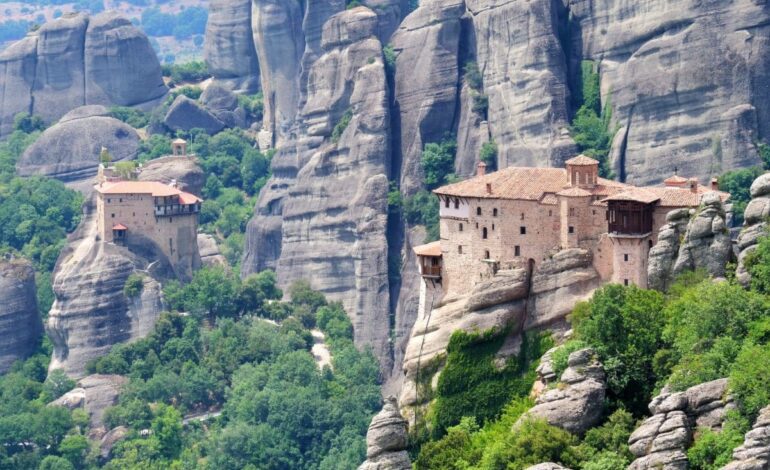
<point x="486" y="254"/>
<point x="484" y="233"/>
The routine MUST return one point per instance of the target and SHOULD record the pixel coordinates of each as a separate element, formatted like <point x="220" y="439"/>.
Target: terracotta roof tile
<point x="138" y="187"/>
<point x="187" y="198"/>
<point x="642" y="195"/>
<point x="574" y="192"/>
<point x="430" y="249"/>
<point x="675" y="179"/>
<point x="119" y="227"/>
<point x="582" y="160"/>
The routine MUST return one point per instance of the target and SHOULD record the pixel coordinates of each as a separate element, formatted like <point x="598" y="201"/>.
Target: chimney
<point x="715" y="184"/>
<point x="489" y="188"/>
<point x="481" y="169"/>
<point x="693" y="185"/>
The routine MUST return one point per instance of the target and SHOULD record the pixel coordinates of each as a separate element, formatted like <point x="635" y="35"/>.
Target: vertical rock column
<point x="20" y="325"/>
<point x="229" y="49"/>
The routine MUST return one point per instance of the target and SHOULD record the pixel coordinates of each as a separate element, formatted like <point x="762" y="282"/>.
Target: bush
<point x="531" y="442"/>
<point x="488" y="155"/>
<point x="749" y="378"/>
<point x="422" y="209"/>
<point x="131" y="116"/>
<point x="737" y="183"/>
<point x="195" y="71"/>
<point x="472" y="75"/>
<point x="590" y="126"/>
<point x="133" y="286"/>
<point x="343" y="124"/>
<point x="561" y="355"/>
<point x="713" y="450"/>
<point x="437" y="162"/>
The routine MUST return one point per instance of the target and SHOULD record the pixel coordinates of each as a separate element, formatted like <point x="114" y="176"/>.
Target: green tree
<point x="737" y="183"/>
<point x="438" y="162"/>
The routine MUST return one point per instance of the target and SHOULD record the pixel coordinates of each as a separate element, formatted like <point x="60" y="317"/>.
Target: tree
<point x="167" y="428"/>
<point x="438" y="162"/>
<point x="57" y="384"/>
<point x="257" y="288"/>
<point x="488" y="155"/>
<point x="28" y="123"/>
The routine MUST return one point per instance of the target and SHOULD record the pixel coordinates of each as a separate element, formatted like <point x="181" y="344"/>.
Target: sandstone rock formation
<point x="754" y="453"/>
<point x="184" y="170"/>
<point x="386" y="440"/>
<point x="109" y="440"/>
<point x="229" y="48"/>
<point x="185" y="114"/>
<point x="577" y="404"/>
<point x="20" y="325"/>
<point x="324" y="212"/>
<point x="94" y="394"/>
<point x="704" y="243"/>
<point x="78" y="60"/>
<point x="69" y="150"/>
<point x="755" y="218"/>
<point x="210" y="254"/>
<point x="223" y="104"/>
<point x="661" y="442"/>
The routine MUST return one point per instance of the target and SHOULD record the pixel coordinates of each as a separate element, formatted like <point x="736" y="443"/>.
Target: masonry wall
<point x="630" y="258"/>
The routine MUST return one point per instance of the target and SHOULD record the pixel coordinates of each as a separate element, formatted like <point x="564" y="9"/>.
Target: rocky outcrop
<point x="229" y="48"/>
<point x="70" y="149"/>
<point x="386" y="440"/>
<point x="577" y="402"/>
<point x="524" y="70"/>
<point x="660" y="267"/>
<point x="223" y="104"/>
<point x="684" y="80"/>
<point x="20" y="325"/>
<point x="94" y="394"/>
<point x="662" y="440"/>
<point x="331" y="194"/>
<point x="691" y="240"/>
<point x="185" y="114"/>
<point x="78" y="60"/>
<point x="754" y="453"/>
<point x="755" y="218"/>
<point x="109" y="440"/>
<point x="184" y="170"/>
<point x="210" y="254"/>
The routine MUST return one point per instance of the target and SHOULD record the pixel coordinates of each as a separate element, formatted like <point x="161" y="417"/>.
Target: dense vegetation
<point x="591" y="124"/>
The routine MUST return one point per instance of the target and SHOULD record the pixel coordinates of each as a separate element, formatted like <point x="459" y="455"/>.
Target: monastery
<point x="518" y="217"/>
<point x="135" y="213"/>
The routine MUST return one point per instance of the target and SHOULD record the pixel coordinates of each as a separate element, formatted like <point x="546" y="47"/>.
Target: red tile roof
<point x="154" y="188"/>
<point x="430" y="249"/>
<point x="574" y="192"/>
<point x="582" y="160"/>
<point x="635" y="194"/>
<point x="119" y="227"/>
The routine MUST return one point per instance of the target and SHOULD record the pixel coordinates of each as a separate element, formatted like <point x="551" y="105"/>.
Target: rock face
<point x="185" y="114"/>
<point x="661" y="442"/>
<point x="20" y="325"/>
<point x="94" y="394"/>
<point x="184" y="170"/>
<point x="69" y="150"/>
<point x="577" y="405"/>
<point x="683" y="78"/>
<point x="223" y="104"/>
<point x="703" y="244"/>
<point x="335" y="238"/>
<point x="754" y="453"/>
<point x="229" y="48"/>
<point x="754" y="224"/>
<point x="386" y="440"/>
<point x="210" y="254"/>
<point x="78" y="60"/>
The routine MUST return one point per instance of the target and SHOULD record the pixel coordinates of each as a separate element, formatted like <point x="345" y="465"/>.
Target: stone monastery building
<point x="136" y="213"/>
<point x="517" y="217"/>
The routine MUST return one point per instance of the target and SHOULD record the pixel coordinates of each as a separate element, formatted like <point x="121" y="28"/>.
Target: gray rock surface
<point x="707" y="242"/>
<point x="109" y="440"/>
<point x="74" y="61"/>
<point x="20" y="325"/>
<point x="69" y="150"/>
<point x="184" y="170"/>
<point x="229" y="49"/>
<point x="754" y="453"/>
<point x="577" y="404"/>
<point x="223" y="104"/>
<point x="664" y="254"/>
<point x="754" y="224"/>
<point x="386" y="440"/>
<point x="210" y="254"/>
<point x="662" y="440"/>
<point x="332" y="196"/>
<point x="185" y="114"/>
<point x="94" y="394"/>
<point x="685" y="79"/>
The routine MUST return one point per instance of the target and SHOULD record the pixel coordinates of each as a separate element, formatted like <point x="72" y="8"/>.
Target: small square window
<point x="493" y="226"/>
<point x="486" y="254"/>
<point x="550" y="213"/>
<point x="571" y="228"/>
<point x="625" y="257"/>
<point x="625" y="281"/>
<point x="522" y="230"/>
<point x="121" y="200"/>
<point x="113" y="215"/>
<point x="457" y="203"/>
<point x="109" y="200"/>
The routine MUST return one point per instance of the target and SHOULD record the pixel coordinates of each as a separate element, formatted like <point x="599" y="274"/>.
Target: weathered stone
<point x="93" y="393"/>
<point x="760" y="186"/>
<point x="754" y="453"/>
<point x="223" y="104"/>
<point x="185" y="114"/>
<point x="505" y="286"/>
<point x="229" y="48"/>
<point x="547" y="466"/>
<point x="109" y="440"/>
<point x="754" y="225"/>
<point x="69" y="151"/>
<point x="210" y="254"/>
<point x="184" y="170"/>
<point x="20" y="325"/>
<point x="386" y="440"/>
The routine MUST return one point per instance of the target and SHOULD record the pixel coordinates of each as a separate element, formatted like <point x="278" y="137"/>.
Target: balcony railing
<point x="176" y="209"/>
<point x="431" y="271"/>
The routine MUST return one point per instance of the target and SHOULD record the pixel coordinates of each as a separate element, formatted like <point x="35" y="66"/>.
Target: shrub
<point x="472" y="75"/>
<point x="131" y="116"/>
<point x="737" y="183"/>
<point x="437" y="162"/>
<point x="713" y="450"/>
<point x="343" y="123"/>
<point x="749" y="378"/>
<point x="133" y="286"/>
<point x="531" y="442"/>
<point x="488" y="155"/>
<point x="560" y="356"/>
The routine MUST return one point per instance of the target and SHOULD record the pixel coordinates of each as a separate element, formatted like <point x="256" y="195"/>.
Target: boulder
<point x="94" y="394"/>
<point x="184" y="170"/>
<point x="20" y="325"/>
<point x="210" y="254"/>
<point x="664" y="254"/>
<point x="185" y="114"/>
<point x="70" y="150"/>
<point x="223" y="104"/>
<point x="78" y="60"/>
<point x="109" y="440"/>
<point x="577" y="402"/>
<point x="386" y="440"/>
<point x="547" y="466"/>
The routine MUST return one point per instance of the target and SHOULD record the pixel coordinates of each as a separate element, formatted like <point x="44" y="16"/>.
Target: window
<point x="522" y="230"/>
<point x="446" y="203"/>
<point x="522" y="216"/>
<point x="483" y="231"/>
<point x="550" y="213"/>
<point x="571" y="211"/>
<point x="120" y="200"/>
<point x="461" y="227"/>
<point x="477" y="225"/>
<point x="494" y="212"/>
<point x="625" y="257"/>
<point x="171" y="219"/>
<point x="649" y="243"/>
<point x="457" y="203"/>
<point x="571" y="228"/>
<point x="113" y="215"/>
<point x="460" y="249"/>
<point x="486" y="254"/>
<point x="109" y="200"/>
<point x="134" y="214"/>
<point x="625" y="281"/>
<point x="517" y="250"/>
<point x="493" y="227"/>
<point x="478" y="210"/>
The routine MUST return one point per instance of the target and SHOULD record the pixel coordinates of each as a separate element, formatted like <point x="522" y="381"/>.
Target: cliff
<point x="20" y="325"/>
<point x="78" y="60"/>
